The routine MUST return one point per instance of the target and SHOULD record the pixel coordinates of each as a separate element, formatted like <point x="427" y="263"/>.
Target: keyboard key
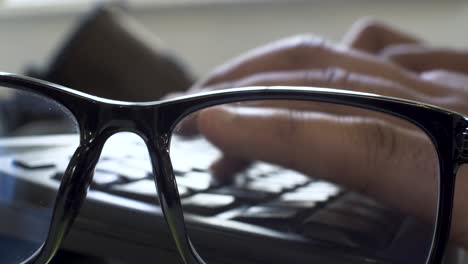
<point x="264" y="186"/>
<point x="322" y="187"/>
<point x="144" y="190"/>
<point x="101" y="178"/>
<point x="285" y="184"/>
<point x="180" y="168"/>
<point x="298" y="200"/>
<point x="141" y="164"/>
<point x="262" y="212"/>
<point x="243" y="195"/>
<point x="362" y="200"/>
<point x="364" y="212"/>
<point x="201" y="163"/>
<point x="197" y="181"/>
<point x="361" y="231"/>
<point x="40" y="159"/>
<point x="208" y="203"/>
<point x="288" y="179"/>
<point x="33" y="164"/>
<point x="125" y="145"/>
<point x="114" y="166"/>
<point x="202" y="154"/>
<point x="294" y="176"/>
<point x="262" y="168"/>
<point x="269" y="216"/>
<point x="331" y="235"/>
<point x="305" y="197"/>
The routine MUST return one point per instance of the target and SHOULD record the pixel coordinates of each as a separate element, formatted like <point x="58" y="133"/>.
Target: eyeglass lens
<point x="342" y="182"/>
<point x="27" y="196"/>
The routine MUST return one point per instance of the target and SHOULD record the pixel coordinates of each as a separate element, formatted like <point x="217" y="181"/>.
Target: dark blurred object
<point x="75" y="258"/>
<point x="112" y="56"/>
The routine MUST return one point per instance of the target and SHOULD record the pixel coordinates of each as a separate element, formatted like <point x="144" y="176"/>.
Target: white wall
<point x="206" y="35"/>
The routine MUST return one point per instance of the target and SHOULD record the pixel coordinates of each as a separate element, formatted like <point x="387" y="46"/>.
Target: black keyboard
<point x="311" y="220"/>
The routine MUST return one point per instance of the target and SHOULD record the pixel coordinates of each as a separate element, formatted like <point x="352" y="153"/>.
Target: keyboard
<point x="265" y="206"/>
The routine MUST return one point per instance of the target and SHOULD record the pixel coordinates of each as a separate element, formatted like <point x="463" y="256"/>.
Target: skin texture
<point x="378" y="155"/>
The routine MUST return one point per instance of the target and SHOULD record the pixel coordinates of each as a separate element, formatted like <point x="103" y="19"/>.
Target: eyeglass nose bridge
<point x="145" y="121"/>
<point x="107" y="119"/>
<point x="170" y="200"/>
<point x="70" y="197"/>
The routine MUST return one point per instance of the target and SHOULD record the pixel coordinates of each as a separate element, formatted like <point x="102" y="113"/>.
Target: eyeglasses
<point x="308" y="126"/>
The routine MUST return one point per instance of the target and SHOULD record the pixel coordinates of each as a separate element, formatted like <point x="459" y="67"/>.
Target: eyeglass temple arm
<point x="171" y="205"/>
<point x="70" y="197"/>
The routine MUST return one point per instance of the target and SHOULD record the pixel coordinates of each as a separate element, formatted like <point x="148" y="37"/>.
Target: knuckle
<point x="257" y="79"/>
<point x="369" y="26"/>
<point x="379" y="141"/>
<point x="336" y="77"/>
<point x="302" y="49"/>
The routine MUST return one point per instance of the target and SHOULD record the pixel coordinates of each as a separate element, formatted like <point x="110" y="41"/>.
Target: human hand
<point x="373" y="58"/>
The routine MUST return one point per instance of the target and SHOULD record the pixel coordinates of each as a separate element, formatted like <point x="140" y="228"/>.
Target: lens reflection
<point x="37" y="136"/>
<point x="324" y="183"/>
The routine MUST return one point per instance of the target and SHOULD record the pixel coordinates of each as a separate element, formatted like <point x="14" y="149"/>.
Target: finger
<point x="173" y="95"/>
<point x="333" y="77"/>
<point x="449" y="96"/>
<point x="419" y="58"/>
<point x="456" y="81"/>
<point x="225" y="168"/>
<point x="459" y="230"/>
<point x="187" y="127"/>
<point x="372" y="36"/>
<point x="336" y="78"/>
<point x="456" y="85"/>
<point x="179" y="94"/>
<point x="362" y="154"/>
<point x="304" y="53"/>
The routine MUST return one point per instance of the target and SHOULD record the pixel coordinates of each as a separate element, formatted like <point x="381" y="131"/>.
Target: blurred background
<point x="69" y="42"/>
<point x="205" y="33"/>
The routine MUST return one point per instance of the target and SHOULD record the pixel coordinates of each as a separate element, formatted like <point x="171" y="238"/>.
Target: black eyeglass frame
<point x="99" y="118"/>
